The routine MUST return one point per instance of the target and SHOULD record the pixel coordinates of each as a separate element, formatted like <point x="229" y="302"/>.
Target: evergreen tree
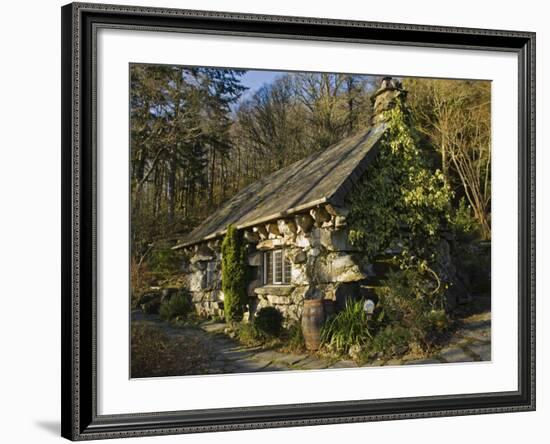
<point x="234" y="274"/>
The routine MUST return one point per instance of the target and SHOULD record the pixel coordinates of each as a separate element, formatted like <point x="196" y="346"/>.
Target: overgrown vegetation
<point x="409" y="315"/>
<point x="391" y="340"/>
<point x="234" y="274"/>
<point x="400" y="204"/>
<point x="176" y="307"/>
<point x="247" y="334"/>
<point x="463" y="223"/>
<point x="159" y="266"/>
<point x="403" y="206"/>
<point x="409" y="300"/>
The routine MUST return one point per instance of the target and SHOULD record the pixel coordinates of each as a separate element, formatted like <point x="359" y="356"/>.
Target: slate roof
<point x="323" y="177"/>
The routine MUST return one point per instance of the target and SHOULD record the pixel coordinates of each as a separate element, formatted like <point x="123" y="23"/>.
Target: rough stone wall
<point x="324" y="265"/>
<point x="206" y="295"/>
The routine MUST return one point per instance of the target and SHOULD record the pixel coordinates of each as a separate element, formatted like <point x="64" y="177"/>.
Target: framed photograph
<point x="276" y="221"/>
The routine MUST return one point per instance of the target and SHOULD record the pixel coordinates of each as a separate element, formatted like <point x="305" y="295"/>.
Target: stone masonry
<point x="324" y="265"/>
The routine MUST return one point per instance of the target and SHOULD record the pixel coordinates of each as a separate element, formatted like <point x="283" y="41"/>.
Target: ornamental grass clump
<point x="348" y="328"/>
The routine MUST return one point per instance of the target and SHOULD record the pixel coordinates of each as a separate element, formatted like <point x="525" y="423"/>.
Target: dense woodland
<point x="196" y="141"/>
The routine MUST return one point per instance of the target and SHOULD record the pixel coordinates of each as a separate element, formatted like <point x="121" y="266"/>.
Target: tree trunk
<point x="171" y="190"/>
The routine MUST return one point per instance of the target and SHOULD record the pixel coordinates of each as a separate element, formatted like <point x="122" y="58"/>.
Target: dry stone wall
<point x="324" y="265"/>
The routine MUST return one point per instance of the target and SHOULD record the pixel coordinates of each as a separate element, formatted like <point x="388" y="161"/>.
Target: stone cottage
<point x="294" y="222"/>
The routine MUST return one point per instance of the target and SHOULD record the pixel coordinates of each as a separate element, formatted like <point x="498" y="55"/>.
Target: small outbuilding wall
<point x="321" y="261"/>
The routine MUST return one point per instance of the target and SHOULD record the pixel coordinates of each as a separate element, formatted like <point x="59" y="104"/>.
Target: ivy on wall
<point x="400" y="204"/>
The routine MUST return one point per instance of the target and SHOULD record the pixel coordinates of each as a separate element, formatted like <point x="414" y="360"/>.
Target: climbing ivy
<point x="234" y="274"/>
<point x="400" y="203"/>
<point x="401" y="206"/>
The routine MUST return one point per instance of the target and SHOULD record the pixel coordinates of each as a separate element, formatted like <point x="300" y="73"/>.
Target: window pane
<point x="269" y="267"/>
<point x="287" y="269"/>
<point x="278" y="259"/>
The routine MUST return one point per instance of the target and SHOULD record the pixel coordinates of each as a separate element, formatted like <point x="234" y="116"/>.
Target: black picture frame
<point x="79" y="396"/>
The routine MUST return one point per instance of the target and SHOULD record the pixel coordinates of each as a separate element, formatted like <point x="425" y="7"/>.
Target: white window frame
<point x="273" y="254"/>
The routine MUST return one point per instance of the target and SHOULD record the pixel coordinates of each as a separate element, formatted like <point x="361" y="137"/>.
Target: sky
<point x="254" y="80"/>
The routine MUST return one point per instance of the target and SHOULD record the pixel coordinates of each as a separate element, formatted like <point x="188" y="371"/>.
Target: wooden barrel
<point x="313" y="317"/>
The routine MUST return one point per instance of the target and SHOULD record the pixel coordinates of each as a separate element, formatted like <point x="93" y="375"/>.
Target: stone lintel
<point x="276" y="290"/>
<point x="269" y="244"/>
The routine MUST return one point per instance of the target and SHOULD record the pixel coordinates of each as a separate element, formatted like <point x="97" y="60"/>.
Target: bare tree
<point x="455" y="116"/>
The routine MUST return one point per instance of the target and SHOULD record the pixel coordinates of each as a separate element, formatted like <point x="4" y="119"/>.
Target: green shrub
<point x="266" y="325"/>
<point x="463" y="222"/>
<point x="178" y="305"/>
<point x="389" y="341"/>
<point x="234" y="274"/>
<point x="268" y="322"/>
<point x="247" y="334"/>
<point x="347" y="328"/>
<point x="413" y="299"/>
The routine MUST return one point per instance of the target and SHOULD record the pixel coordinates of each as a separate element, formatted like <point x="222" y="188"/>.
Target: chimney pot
<point x="385" y="98"/>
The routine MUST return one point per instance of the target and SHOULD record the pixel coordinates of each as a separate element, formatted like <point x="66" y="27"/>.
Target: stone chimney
<point x="386" y="98"/>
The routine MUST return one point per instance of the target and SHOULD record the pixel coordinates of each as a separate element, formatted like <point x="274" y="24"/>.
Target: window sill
<point x="275" y="289"/>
